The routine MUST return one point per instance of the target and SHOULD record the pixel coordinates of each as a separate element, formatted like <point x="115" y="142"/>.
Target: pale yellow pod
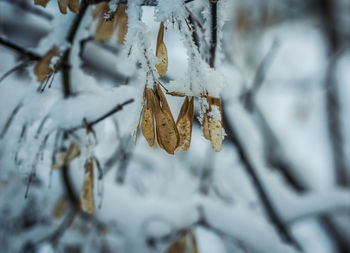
<point x="122" y="22"/>
<point x="42" y="3"/>
<point x="87" y="203"/>
<point x="73" y="5"/>
<point x="161" y="52"/>
<point x="147" y="124"/>
<point x="42" y="69"/>
<point x="184" y="124"/>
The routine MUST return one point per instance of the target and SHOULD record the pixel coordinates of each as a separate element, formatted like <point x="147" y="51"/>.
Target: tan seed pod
<point x="73" y="5"/>
<point x="147" y="124"/>
<point x="67" y="156"/>
<point x="215" y="123"/>
<point x="104" y="29"/>
<point x="161" y="52"/>
<point x="205" y="127"/>
<point x="42" y="3"/>
<point x="42" y="69"/>
<point x="184" y="124"/>
<point x="87" y="203"/>
<point x="167" y="134"/>
<point x="122" y="22"/>
<point x="185" y="244"/>
<point x="162" y="98"/>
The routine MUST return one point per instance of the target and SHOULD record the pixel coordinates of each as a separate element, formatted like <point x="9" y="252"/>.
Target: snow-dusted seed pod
<point x="42" y="3"/>
<point x="87" y="203"/>
<point x="215" y="123"/>
<point x="161" y="52"/>
<point x="67" y="156"/>
<point x="184" y="124"/>
<point x="147" y="124"/>
<point x="43" y="67"/>
<point x="105" y="27"/>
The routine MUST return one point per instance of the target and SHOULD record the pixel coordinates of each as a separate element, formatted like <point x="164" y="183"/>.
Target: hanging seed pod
<point x="215" y="123"/>
<point x="147" y="124"/>
<point x="42" y="69"/>
<point x="60" y="207"/>
<point x="42" y="3"/>
<point x="122" y="22"/>
<point x="167" y="134"/>
<point x="67" y="156"/>
<point x="87" y="203"/>
<point x="184" y="124"/>
<point x="161" y="52"/>
<point x="185" y="244"/>
<point x="73" y="5"/>
<point x="206" y="127"/>
<point x="105" y="27"/>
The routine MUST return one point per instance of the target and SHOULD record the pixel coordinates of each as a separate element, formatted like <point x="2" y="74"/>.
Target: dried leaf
<point x="87" y="203"/>
<point x="167" y="134"/>
<point x="215" y="123"/>
<point x="73" y="5"/>
<point x="42" y="69"/>
<point x="161" y="52"/>
<point x="43" y="3"/>
<point x="147" y="124"/>
<point x="185" y="244"/>
<point x="122" y="22"/>
<point x="67" y="156"/>
<point x="62" y="5"/>
<point x="184" y="124"/>
<point x="60" y="207"/>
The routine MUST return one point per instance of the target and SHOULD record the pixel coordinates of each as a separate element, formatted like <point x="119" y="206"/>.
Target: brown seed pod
<point x="167" y="134"/>
<point x="161" y="52"/>
<point x="43" y="3"/>
<point x="42" y="69"/>
<point x="205" y="127"/>
<point x="62" y="5"/>
<point x="105" y="28"/>
<point x="73" y="5"/>
<point x="87" y="203"/>
<point x="185" y="244"/>
<point x="184" y="124"/>
<point x="215" y="123"/>
<point x="122" y="22"/>
<point x="60" y="207"/>
<point x="147" y="124"/>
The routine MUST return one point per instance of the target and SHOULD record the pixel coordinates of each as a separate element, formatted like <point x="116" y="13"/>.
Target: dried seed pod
<point x="62" y="5"/>
<point x="66" y="157"/>
<point x="215" y="123"/>
<point x="205" y="127"/>
<point x="87" y="203"/>
<point x="167" y="134"/>
<point x="147" y="124"/>
<point x="161" y="52"/>
<point x="42" y="69"/>
<point x="43" y="3"/>
<point x="73" y="5"/>
<point x="60" y="207"/>
<point x="122" y="22"/>
<point x="185" y="244"/>
<point x="105" y="27"/>
<point x="184" y="124"/>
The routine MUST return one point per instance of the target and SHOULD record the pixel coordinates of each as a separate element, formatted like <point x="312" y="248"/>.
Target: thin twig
<point x="9" y="121"/>
<point x="15" y="68"/>
<point x="21" y="50"/>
